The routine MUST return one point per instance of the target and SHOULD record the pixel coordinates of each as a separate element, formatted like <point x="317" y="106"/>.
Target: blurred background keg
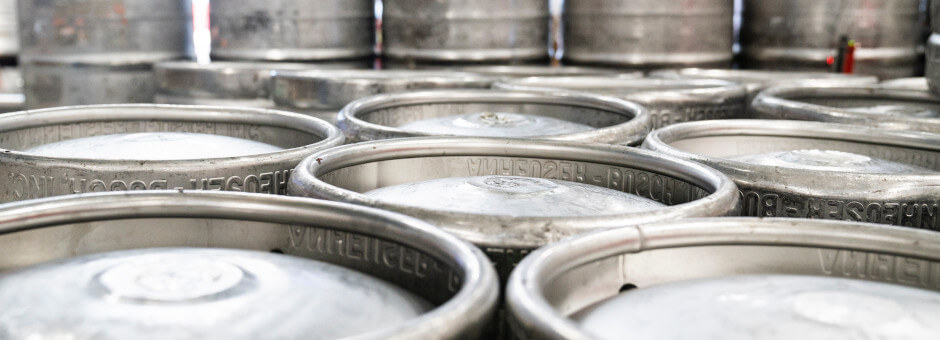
<point x="808" y="34"/>
<point x="759" y="80"/>
<point x="355" y="272"/>
<point x="11" y="90"/>
<point x="490" y="113"/>
<point x="932" y="66"/>
<point x="817" y="170"/>
<point x="862" y="105"/>
<point x="322" y="93"/>
<point x="232" y="83"/>
<point x="669" y="101"/>
<point x="750" y="278"/>
<point x="69" y="150"/>
<point x="9" y="40"/>
<point x="648" y="33"/>
<point x="97" y="51"/>
<point x="465" y="31"/>
<point x="521" y="71"/>
<point x="909" y="83"/>
<point x="292" y="29"/>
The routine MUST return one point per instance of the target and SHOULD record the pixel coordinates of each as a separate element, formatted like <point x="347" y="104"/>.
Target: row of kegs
<point x="322" y="200"/>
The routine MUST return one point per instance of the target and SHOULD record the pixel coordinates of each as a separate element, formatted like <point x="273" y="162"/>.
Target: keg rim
<point x="396" y="76"/>
<point x="629" y="132"/>
<point x="527" y="304"/>
<point x="227" y="66"/>
<point x="331" y="135"/>
<point x="471" y="305"/>
<point x="595" y="83"/>
<point x="721" y="201"/>
<point x="535" y="70"/>
<point x="749" y="75"/>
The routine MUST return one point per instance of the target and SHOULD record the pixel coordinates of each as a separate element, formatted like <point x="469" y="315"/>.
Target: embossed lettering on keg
<point x="751" y="278"/>
<point x="323" y="93"/>
<point x="648" y="33"/>
<point x="465" y="30"/>
<point x="9" y="39"/>
<point x="161" y="147"/>
<point x="243" y="84"/>
<point x="292" y="30"/>
<point x="521" y="71"/>
<point x="804" y="34"/>
<point x="669" y="101"/>
<point x="472" y="185"/>
<point x="910" y="84"/>
<point x="871" y="106"/>
<point x="759" y="80"/>
<point x="817" y="170"/>
<point x="489" y="113"/>
<point x="435" y="286"/>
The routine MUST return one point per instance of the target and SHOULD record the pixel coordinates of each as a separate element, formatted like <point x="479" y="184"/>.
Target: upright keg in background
<point x="11" y="90"/>
<point x="9" y="40"/>
<point x="932" y="66"/>
<point x="804" y="34"/>
<point x="97" y="51"/>
<point x="648" y="33"/>
<point x="292" y="29"/>
<point x="465" y="31"/>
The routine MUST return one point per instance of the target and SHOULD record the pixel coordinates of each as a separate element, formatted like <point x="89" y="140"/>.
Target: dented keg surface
<point x="322" y="93"/>
<point x="804" y="34"/>
<point x="292" y="29"/>
<point x="490" y="113"/>
<point x="669" y="101"/>
<point x="53" y="83"/>
<point x="509" y="196"/>
<point x="462" y="31"/>
<point x="521" y="71"/>
<point x="910" y="84"/>
<point x="96" y="148"/>
<point x="9" y="39"/>
<point x="759" y="80"/>
<point x="139" y="265"/>
<point x="817" y="170"/>
<point x="871" y="106"/>
<point x="243" y="84"/>
<point x="649" y="33"/>
<point x="751" y="278"/>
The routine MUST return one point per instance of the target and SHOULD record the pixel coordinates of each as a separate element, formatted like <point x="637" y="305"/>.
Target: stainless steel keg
<point x="759" y="80"/>
<point x="465" y="31"/>
<point x="817" y="170"/>
<point x="521" y="71"/>
<point x="490" y="113"/>
<point x="11" y="90"/>
<point x="804" y="34"/>
<point x="52" y="83"/>
<point x="323" y="93"/>
<point x="240" y="290"/>
<point x="743" y="278"/>
<point x="243" y="84"/>
<point x="932" y="65"/>
<point x="292" y="30"/>
<point x="510" y="196"/>
<point x="862" y="105"/>
<point x="9" y="39"/>
<point x="97" y="148"/>
<point x="669" y="101"/>
<point x="910" y="84"/>
<point x="648" y="33"/>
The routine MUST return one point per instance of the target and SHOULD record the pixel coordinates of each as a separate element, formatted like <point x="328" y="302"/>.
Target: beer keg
<point x="323" y="93"/>
<point x="9" y="39"/>
<point x="910" y="84"/>
<point x="522" y="71"/>
<point x="50" y="82"/>
<point x="759" y="80"/>
<point x="243" y="84"/>
<point x="648" y="33"/>
<point x="732" y="278"/>
<point x="292" y="30"/>
<point x="465" y="31"/>
<point x="139" y="264"/>
<point x="669" y="101"/>
<point x="863" y="105"/>
<point x="817" y="170"/>
<point x="510" y="196"/>
<point x="932" y="66"/>
<point x="805" y="35"/>
<point x="80" y="149"/>
<point x="490" y="113"/>
<point x="11" y="90"/>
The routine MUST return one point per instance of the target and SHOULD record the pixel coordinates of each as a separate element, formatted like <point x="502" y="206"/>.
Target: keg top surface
<point x="643" y="89"/>
<point x="760" y="79"/>
<point x="537" y="70"/>
<point x="828" y="160"/>
<point x="766" y="307"/>
<point x="513" y="196"/>
<point x="198" y="293"/>
<point x="154" y="146"/>
<point x="496" y="124"/>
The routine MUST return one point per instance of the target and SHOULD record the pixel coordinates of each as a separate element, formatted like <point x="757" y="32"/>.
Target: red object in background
<point x="848" y="66"/>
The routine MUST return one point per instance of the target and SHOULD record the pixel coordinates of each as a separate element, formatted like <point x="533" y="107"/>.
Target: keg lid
<point x="757" y="80"/>
<point x="519" y="71"/>
<point x="153" y="146"/>
<point x="199" y="293"/>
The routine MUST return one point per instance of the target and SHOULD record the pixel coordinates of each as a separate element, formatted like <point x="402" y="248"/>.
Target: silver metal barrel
<point x="837" y="272"/>
<point x="648" y="33"/>
<point x="510" y="196"/>
<point x="490" y="113"/>
<point x="205" y="293"/>
<point x="292" y="30"/>
<point x="53" y="83"/>
<point x="243" y="84"/>
<point x="910" y="84"/>
<point x="669" y="101"/>
<point x="323" y="93"/>
<point x="465" y="31"/>
<point x="872" y="106"/>
<point x="9" y="39"/>
<point x="804" y="34"/>
<point x="759" y="80"/>
<point x="521" y="71"/>
<point x="817" y="170"/>
<point x="96" y="148"/>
